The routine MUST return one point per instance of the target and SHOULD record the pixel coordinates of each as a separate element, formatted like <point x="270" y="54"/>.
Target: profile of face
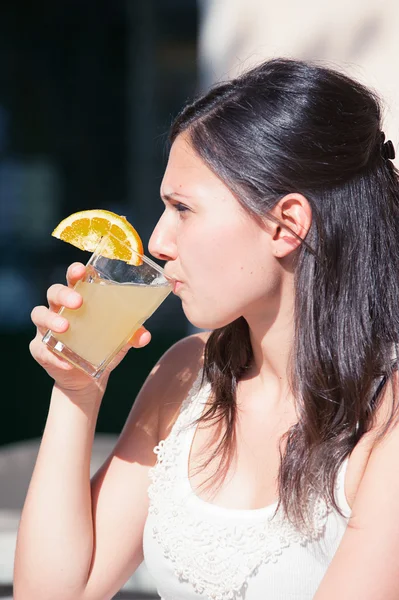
<point x="224" y="260"/>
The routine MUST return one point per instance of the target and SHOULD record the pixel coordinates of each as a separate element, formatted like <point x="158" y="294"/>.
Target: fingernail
<point x="73" y="297"/>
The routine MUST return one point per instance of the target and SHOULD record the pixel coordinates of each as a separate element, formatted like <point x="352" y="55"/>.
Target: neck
<point x="272" y="337"/>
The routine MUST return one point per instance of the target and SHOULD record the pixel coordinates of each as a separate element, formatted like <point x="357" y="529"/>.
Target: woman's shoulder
<point x="174" y="375"/>
<point x="379" y="439"/>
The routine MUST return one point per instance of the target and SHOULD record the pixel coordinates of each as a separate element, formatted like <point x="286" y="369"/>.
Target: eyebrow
<point x="172" y="196"/>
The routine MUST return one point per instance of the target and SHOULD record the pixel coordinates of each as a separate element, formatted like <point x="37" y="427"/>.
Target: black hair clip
<point x="387" y="148"/>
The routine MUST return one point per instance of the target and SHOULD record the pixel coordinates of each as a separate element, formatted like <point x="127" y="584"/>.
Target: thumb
<point x="140" y="338"/>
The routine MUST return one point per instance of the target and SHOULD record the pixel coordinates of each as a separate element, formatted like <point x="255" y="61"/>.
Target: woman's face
<point x="219" y="255"/>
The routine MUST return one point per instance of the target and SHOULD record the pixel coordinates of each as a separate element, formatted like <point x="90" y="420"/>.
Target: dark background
<point x="88" y="90"/>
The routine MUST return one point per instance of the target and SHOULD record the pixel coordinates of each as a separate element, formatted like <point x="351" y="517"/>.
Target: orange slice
<point x="85" y="229"/>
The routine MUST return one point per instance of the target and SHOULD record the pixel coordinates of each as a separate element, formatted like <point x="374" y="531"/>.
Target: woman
<point x="275" y="434"/>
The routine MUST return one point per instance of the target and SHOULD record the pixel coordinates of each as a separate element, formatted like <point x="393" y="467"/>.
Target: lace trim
<point x="216" y="559"/>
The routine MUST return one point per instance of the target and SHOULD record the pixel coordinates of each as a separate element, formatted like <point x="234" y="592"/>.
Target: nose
<point x="162" y="243"/>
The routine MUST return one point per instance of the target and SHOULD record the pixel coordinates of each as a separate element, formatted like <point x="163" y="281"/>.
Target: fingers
<point x="75" y="272"/>
<point x="45" y="319"/>
<point x="45" y="357"/>
<point x="60" y="295"/>
<point x="140" y="338"/>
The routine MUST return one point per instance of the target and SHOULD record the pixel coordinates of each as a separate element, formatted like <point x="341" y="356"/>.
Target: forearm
<point x="55" y="538"/>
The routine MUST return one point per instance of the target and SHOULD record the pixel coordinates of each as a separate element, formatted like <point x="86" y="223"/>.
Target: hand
<point x="65" y="375"/>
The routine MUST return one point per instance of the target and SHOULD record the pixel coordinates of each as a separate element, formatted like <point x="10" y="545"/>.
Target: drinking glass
<point x="117" y="299"/>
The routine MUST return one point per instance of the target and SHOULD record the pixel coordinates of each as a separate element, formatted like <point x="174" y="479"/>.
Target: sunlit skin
<point x="229" y="264"/>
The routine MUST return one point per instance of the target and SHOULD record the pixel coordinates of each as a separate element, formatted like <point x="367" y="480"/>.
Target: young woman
<point x="276" y="440"/>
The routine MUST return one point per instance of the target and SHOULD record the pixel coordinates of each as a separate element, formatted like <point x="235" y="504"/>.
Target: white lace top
<point x="196" y="550"/>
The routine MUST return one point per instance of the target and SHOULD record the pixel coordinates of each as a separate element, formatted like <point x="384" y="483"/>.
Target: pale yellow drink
<point x="118" y="297"/>
<point x="110" y="314"/>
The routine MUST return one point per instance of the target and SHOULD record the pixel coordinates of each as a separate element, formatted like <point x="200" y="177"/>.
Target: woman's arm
<point x="366" y="564"/>
<point x="55" y="537"/>
<point x="79" y="541"/>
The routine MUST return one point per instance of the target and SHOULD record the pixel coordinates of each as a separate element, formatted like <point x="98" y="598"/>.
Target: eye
<point x="180" y="207"/>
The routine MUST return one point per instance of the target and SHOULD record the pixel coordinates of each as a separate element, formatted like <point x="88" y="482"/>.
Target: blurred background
<point x="88" y="90"/>
<point x="87" y="93"/>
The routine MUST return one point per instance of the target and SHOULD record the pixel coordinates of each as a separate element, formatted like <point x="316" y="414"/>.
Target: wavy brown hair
<point x="291" y="126"/>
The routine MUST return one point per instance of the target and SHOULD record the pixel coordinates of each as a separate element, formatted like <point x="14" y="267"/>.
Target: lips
<point x="176" y="282"/>
<point x="176" y="286"/>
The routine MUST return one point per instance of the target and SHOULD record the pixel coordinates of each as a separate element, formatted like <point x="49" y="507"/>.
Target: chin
<point x="207" y="321"/>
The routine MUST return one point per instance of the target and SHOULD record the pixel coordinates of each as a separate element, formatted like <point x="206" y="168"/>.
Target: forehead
<point x="187" y="173"/>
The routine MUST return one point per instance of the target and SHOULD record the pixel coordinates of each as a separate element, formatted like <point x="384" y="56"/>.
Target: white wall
<point x="360" y="37"/>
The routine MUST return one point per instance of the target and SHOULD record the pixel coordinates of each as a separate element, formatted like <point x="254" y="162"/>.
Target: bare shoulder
<point x="384" y="424"/>
<point x="378" y="434"/>
<point x="363" y="566"/>
<point x="171" y="379"/>
<point x="158" y="402"/>
<point x="384" y="435"/>
<point x="185" y="359"/>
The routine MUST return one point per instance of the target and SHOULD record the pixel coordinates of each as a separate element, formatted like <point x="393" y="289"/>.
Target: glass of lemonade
<point x="117" y="299"/>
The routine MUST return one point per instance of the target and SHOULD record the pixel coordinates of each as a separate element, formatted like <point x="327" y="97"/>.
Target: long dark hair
<point x="291" y="126"/>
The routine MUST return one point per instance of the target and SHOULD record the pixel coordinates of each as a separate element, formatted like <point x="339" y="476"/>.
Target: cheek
<point x="223" y="282"/>
<point x="226" y="267"/>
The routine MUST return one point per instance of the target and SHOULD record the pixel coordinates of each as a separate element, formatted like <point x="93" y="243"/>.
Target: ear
<point x="295" y="215"/>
